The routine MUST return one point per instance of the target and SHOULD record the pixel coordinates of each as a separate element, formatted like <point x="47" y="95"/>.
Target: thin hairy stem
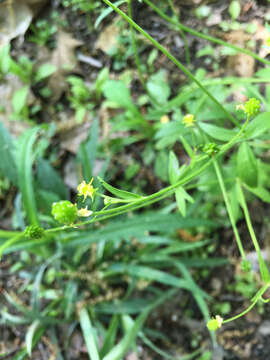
<point x="229" y="210"/>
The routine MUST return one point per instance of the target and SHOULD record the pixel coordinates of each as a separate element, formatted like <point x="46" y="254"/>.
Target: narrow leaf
<point x="25" y="161"/>
<point x="122" y="194"/>
<point x="30" y="335"/>
<point x="88" y="334"/>
<point x="247" y="168"/>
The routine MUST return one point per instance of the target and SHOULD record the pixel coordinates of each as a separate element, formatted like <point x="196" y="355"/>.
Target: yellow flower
<point x="215" y="323"/>
<point x="84" y="212"/>
<point x="188" y="120"/>
<point x="86" y="190"/>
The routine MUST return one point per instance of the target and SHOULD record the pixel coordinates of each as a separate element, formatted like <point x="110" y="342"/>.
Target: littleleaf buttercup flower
<point x="188" y="120"/>
<point x="85" y="190"/>
<point x="84" y="212"/>
<point x="215" y="323"/>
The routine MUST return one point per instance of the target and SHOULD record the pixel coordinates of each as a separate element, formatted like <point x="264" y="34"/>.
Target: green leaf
<point x="181" y="196"/>
<point x="25" y="159"/>
<point x="106" y="12"/>
<point x="174" y="171"/>
<point x="30" y="335"/>
<point x="258" y="126"/>
<point x="161" y="165"/>
<point x="44" y="71"/>
<point x="158" y="87"/>
<point x="148" y="273"/>
<point x="122" y="347"/>
<point x="7" y="150"/>
<point x="122" y="194"/>
<point x="88" y="334"/>
<point x="234" y="9"/>
<point x="5" y="59"/>
<point x="49" y="179"/>
<point x="19" y="99"/>
<point x="110" y="336"/>
<point x="217" y="132"/>
<point x="117" y="92"/>
<point x="137" y="226"/>
<point x="247" y="168"/>
<point x="260" y="192"/>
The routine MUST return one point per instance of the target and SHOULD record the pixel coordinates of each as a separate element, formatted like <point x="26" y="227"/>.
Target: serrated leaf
<point x="122" y="194"/>
<point x="247" y="168"/>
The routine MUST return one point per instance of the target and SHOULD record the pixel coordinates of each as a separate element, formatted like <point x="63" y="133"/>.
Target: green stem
<point x="263" y="267"/>
<point x="203" y="36"/>
<point x="229" y="209"/>
<point x="173" y="59"/>
<point x="256" y="298"/>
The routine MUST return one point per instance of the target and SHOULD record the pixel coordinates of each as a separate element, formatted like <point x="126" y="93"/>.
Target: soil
<point x="248" y="338"/>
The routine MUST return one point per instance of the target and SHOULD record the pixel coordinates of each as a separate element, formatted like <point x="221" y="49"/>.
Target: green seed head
<point x="210" y="149"/>
<point x="34" y="232"/>
<point x="252" y="107"/>
<point x="65" y="212"/>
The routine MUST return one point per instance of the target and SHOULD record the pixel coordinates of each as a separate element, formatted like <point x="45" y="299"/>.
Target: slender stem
<point x="173" y="59"/>
<point x="204" y="36"/>
<point x="256" y="299"/>
<point x="229" y="209"/>
<point x="248" y="220"/>
<point x="263" y="267"/>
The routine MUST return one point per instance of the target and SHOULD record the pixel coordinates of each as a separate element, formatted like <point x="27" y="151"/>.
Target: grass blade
<point x="25" y="161"/>
<point x="88" y="334"/>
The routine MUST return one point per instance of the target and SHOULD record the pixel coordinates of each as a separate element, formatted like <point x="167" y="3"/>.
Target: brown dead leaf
<point x="240" y="64"/>
<point x="64" y="59"/>
<point x="261" y="35"/>
<point x="108" y="38"/>
<point x="16" y="16"/>
<point x="73" y="134"/>
<point x="186" y="236"/>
